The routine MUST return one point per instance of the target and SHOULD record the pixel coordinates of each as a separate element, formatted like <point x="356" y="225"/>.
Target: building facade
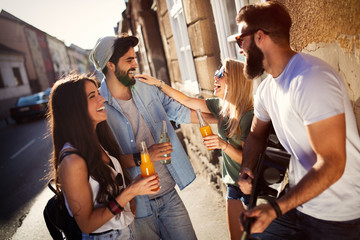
<point x="41" y="59"/>
<point x="194" y="36"/>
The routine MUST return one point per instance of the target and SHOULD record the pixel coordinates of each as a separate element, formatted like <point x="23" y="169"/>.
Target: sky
<point x="81" y="22"/>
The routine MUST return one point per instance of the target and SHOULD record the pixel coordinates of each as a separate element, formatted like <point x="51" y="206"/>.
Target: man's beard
<point x="254" y="61"/>
<point x="124" y="78"/>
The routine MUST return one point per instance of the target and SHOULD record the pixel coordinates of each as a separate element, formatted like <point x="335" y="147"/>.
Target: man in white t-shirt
<point x="308" y="105"/>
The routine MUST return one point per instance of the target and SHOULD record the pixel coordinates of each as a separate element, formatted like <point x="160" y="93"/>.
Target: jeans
<point x="123" y="234"/>
<point x="234" y="192"/>
<point x="170" y="220"/>
<point x="295" y="225"/>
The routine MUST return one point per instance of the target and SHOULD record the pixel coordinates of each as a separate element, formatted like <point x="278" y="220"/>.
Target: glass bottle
<point x="147" y="166"/>
<point x="164" y="138"/>
<point x="205" y="128"/>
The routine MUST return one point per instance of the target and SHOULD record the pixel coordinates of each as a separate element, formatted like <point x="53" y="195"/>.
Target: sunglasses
<point x="240" y="39"/>
<point x="220" y="73"/>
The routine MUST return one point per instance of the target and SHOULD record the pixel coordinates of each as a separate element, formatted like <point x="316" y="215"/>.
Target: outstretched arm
<point x="190" y="102"/>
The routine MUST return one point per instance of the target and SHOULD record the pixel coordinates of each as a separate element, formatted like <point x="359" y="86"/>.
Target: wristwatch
<point x="137" y="159"/>
<point x="161" y="84"/>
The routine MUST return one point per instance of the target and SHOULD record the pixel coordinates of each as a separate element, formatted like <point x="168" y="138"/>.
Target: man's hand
<point x="263" y="215"/>
<point x="157" y="150"/>
<point x="245" y="180"/>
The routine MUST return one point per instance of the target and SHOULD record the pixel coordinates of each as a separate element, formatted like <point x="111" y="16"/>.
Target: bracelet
<point x="227" y="144"/>
<point x="114" y="207"/>
<point x="161" y="84"/>
<point x="276" y="207"/>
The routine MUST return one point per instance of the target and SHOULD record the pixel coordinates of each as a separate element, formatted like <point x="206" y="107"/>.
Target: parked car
<point x="31" y="106"/>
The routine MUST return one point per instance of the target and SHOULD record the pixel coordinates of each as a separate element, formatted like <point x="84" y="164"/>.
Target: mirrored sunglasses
<point x="220" y="73"/>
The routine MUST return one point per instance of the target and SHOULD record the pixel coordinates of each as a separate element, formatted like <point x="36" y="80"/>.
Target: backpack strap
<point x="63" y="154"/>
<point x="51" y="181"/>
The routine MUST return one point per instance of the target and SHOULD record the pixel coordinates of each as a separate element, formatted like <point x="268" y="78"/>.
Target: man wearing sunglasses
<point x="307" y="103"/>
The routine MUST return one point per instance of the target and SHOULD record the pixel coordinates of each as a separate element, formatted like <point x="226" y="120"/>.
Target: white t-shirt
<point x="307" y="91"/>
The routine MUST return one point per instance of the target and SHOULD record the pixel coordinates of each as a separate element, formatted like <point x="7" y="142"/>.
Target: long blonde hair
<point x="238" y="97"/>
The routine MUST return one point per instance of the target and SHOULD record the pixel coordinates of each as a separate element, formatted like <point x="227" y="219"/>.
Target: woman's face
<point x="96" y="107"/>
<point x="220" y="83"/>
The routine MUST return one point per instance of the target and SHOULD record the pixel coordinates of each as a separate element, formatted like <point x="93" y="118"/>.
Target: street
<point x="25" y="151"/>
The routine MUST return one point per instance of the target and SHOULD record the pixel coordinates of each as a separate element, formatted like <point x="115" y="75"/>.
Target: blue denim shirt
<point x="154" y="107"/>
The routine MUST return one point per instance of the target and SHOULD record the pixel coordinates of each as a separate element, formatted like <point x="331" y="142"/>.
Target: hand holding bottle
<point x="215" y="142"/>
<point x="157" y="151"/>
<point x="145" y="186"/>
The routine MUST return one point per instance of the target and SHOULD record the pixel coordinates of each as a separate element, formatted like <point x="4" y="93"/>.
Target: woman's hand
<point x="148" y="79"/>
<point x="215" y="142"/>
<point x="145" y="186"/>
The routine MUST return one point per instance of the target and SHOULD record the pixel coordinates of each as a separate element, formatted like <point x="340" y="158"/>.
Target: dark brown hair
<point x="121" y="46"/>
<point x="271" y="16"/>
<point x="70" y="122"/>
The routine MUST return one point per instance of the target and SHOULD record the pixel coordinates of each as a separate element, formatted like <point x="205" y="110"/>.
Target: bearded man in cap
<point x="135" y="111"/>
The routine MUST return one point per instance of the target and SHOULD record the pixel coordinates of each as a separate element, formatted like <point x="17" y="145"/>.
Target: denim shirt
<point x="154" y="107"/>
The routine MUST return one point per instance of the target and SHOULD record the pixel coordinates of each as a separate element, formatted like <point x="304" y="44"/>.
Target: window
<point x="146" y="66"/>
<point x="183" y="47"/>
<point x="17" y="76"/>
<point x="225" y="12"/>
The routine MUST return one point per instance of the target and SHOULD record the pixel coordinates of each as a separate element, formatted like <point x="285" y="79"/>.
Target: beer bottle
<point x="205" y="128"/>
<point x="146" y="166"/>
<point x="164" y="138"/>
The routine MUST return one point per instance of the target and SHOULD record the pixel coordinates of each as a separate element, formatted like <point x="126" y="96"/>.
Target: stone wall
<point x="206" y="54"/>
<point x="330" y="30"/>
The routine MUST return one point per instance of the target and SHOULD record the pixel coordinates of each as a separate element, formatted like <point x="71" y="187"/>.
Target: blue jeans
<point x="295" y="225"/>
<point x="234" y="192"/>
<point x="170" y="220"/>
<point x="123" y="234"/>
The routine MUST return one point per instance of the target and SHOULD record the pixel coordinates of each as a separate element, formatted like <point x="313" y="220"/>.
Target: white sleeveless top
<point x="120" y="221"/>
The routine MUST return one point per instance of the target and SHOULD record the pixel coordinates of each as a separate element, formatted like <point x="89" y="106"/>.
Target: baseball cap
<point x="102" y="52"/>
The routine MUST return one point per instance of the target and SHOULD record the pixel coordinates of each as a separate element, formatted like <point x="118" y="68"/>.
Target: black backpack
<point x="57" y="218"/>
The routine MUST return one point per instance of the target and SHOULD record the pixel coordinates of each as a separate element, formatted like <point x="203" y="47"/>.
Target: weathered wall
<point x="13" y="36"/>
<point x="330" y="30"/>
<point x="37" y="58"/>
<point x="144" y="17"/>
<point x="168" y="42"/>
<point x="59" y="56"/>
<point x="206" y="54"/>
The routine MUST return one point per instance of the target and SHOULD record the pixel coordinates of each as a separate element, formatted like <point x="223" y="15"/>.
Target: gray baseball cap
<point x="102" y="52"/>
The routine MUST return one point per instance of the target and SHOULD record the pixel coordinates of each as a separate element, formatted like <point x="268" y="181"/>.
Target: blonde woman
<point x="233" y="107"/>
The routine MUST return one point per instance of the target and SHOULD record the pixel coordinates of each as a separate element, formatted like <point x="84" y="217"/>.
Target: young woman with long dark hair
<point x="95" y="185"/>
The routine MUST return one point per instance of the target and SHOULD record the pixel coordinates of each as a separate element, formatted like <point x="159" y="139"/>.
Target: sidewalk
<point x="205" y="206"/>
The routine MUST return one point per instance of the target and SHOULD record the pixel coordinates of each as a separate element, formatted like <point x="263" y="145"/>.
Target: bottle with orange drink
<point x="146" y="166"/>
<point x="205" y="128"/>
